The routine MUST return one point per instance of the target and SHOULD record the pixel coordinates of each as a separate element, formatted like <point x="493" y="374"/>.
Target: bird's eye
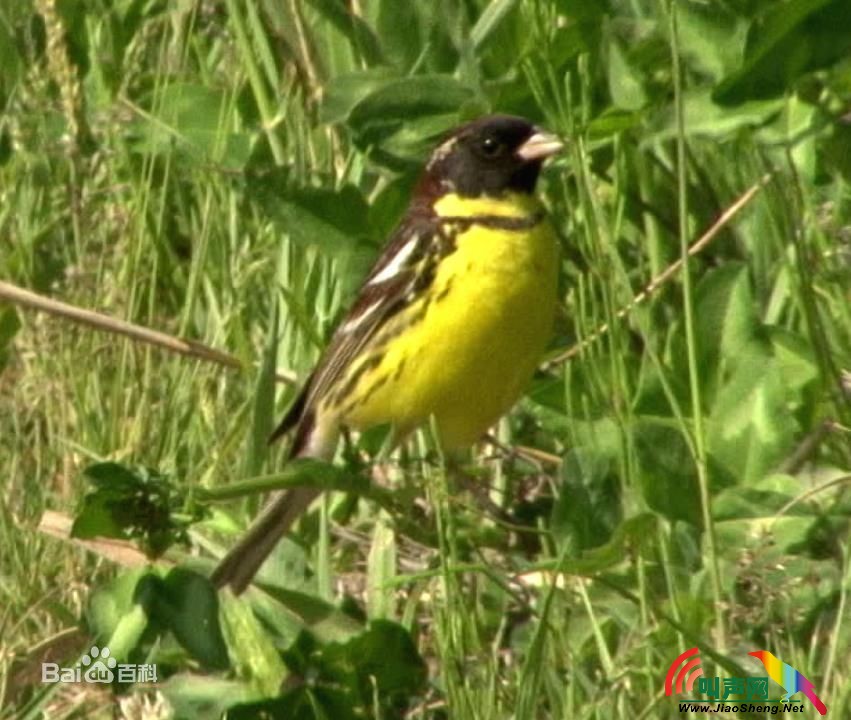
<point x="491" y="147"/>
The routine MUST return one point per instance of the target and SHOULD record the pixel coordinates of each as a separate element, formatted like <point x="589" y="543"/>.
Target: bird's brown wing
<point x="397" y="273"/>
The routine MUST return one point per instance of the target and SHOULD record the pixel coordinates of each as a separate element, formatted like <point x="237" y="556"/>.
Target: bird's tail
<point x="241" y="563"/>
<point x="244" y="559"/>
<point x="815" y="700"/>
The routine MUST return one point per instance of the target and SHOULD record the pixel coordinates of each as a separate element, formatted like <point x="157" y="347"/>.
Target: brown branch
<point x="191" y="348"/>
<point x="668" y="273"/>
<point x="534" y="455"/>
<point x="121" y="552"/>
<point x="105" y="323"/>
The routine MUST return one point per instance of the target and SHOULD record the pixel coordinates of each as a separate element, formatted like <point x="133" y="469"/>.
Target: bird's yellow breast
<point x="464" y="351"/>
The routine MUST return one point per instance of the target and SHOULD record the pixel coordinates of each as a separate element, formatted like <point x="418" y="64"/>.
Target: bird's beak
<point x="539" y="146"/>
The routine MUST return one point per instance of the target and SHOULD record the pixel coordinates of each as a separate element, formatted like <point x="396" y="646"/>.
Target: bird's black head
<point x="490" y="156"/>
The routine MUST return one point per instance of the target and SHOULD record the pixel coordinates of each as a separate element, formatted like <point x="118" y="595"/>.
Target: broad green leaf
<point x="132" y="503"/>
<point x="343" y="93"/>
<point x="118" y="612"/>
<point x="286" y="603"/>
<point x="726" y="328"/>
<point x="795" y="361"/>
<point x="303" y="703"/>
<point x="334" y="220"/>
<point x="403" y="28"/>
<point x="775" y="510"/>
<point x="633" y="533"/>
<point x="494" y="13"/>
<point x="408" y="98"/>
<point x="712" y="37"/>
<point x="583" y="35"/>
<point x="410" y="143"/>
<point x="750" y="428"/>
<point x="666" y="469"/>
<point x="401" y="101"/>
<point x="97" y="518"/>
<point x="324" y="620"/>
<point x="725" y="313"/>
<point x="587" y="508"/>
<point x="380" y="666"/>
<point x="765" y="540"/>
<point x="188" y="605"/>
<point x="383" y="657"/>
<point x="204" y="697"/>
<point x="601" y="437"/>
<point x="349" y="24"/>
<point x="194" y="119"/>
<point x="705" y="117"/>
<point x="612" y="122"/>
<point x="131" y="628"/>
<point x="251" y="649"/>
<point x="798" y="127"/>
<point x="794" y="37"/>
<point x="625" y="85"/>
<point x="107" y="475"/>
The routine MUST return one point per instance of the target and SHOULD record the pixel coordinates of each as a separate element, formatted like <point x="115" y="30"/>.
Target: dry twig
<point x="105" y="323"/>
<point x="651" y="287"/>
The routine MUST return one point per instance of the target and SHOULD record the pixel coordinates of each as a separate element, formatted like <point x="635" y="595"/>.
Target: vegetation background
<point x="226" y="171"/>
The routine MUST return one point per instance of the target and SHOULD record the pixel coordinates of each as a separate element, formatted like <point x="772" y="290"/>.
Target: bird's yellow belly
<point x="468" y="352"/>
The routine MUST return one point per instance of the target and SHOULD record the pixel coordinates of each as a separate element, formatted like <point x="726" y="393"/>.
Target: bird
<point x="448" y="325"/>
<point x="788" y="678"/>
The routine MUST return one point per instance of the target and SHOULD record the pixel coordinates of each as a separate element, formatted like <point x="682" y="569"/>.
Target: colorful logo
<point x="789" y="679"/>
<point x="719" y="695"/>
<point x="683" y="676"/>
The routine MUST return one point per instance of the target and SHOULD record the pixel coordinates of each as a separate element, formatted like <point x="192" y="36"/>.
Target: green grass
<point x="227" y="172"/>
